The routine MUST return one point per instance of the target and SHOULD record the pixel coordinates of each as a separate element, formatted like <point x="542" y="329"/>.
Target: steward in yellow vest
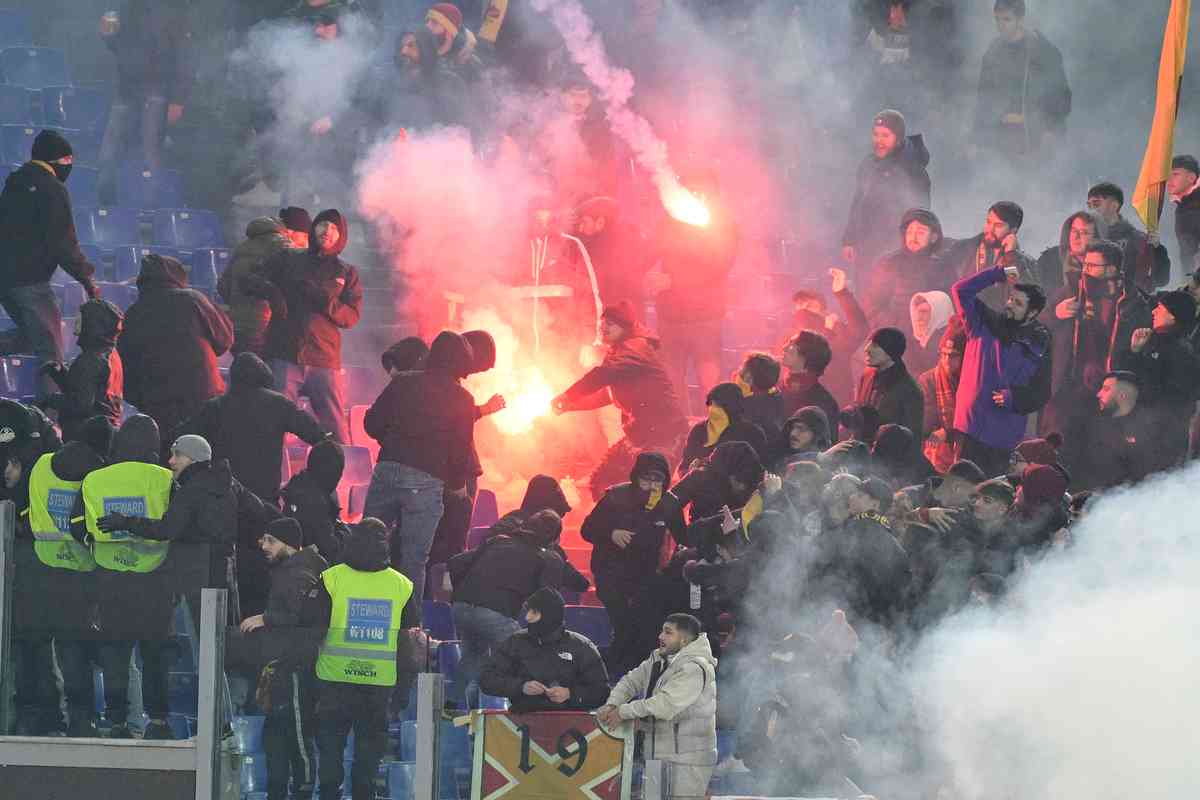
<point x="364" y="657"/>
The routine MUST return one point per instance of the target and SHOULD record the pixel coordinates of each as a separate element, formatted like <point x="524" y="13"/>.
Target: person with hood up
<point x="1147" y="264"/>
<point x="266" y="237"/>
<point x="361" y="607"/>
<point x="729" y="478"/>
<point x="886" y="384"/>
<point x="628" y="530"/>
<point x="136" y="593"/>
<point x="726" y="423"/>
<point x="95" y="382"/>
<point x="323" y="297"/>
<point x="891" y="180"/>
<point x="542" y="493"/>
<point x="804" y="437"/>
<point x="1062" y="264"/>
<point x="631" y="377"/>
<point x="310" y="498"/>
<point x="37" y="235"/>
<point x="762" y="402"/>
<point x="170" y="344"/>
<point x="422" y="91"/>
<point x="997" y="246"/>
<point x="1092" y="325"/>
<point x="678" y="710"/>
<point x="1006" y="368"/>
<point x="939" y="385"/>
<point x="246" y="426"/>
<point x="914" y="267"/>
<point x="896" y="458"/>
<point x="273" y="641"/>
<point x="930" y="314"/>
<point x="546" y="667"/>
<point x="425" y="425"/>
<point x="493" y="580"/>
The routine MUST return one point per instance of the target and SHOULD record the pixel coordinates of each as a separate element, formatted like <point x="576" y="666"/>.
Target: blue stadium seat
<point x="204" y="265"/>
<point x="16" y="142"/>
<point x="86" y="144"/>
<point x="486" y="510"/>
<point x="127" y="261"/>
<point x="82" y="108"/>
<point x="84" y="185"/>
<point x="16" y="106"/>
<point x="187" y="229"/>
<point x="590" y="621"/>
<point x="449" y="656"/>
<point x="358" y="466"/>
<point x="437" y="619"/>
<point x="248" y="734"/>
<point x="19" y="377"/>
<point x="401" y="777"/>
<point x="14" y="27"/>
<point x="6" y="170"/>
<point x="140" y="187"/>
<point x="122" y="295"/>
<point x="34" y="67"/>
<point x="108" y="227"/>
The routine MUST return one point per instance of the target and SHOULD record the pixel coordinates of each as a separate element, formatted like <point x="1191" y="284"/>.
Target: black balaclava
<point x="550" y="604"/>
<point x="50" y="146"/>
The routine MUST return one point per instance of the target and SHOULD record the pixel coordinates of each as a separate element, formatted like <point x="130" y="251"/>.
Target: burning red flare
<point x="683" y="205"/>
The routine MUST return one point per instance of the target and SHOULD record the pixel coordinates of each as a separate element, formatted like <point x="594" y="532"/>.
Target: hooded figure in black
<point x="248" y="423"/>
<point x="804" y="437"/>
<point x="310" y="497"/>
<point x="890" y="181"/>
<point x="913" y="267"/>
<point x="726" y="422"/>
<point x="95" y="381"/>
<point x="896" y="458"/>
<point x="547" y="667"/>
<point x="729" y="477"/>
<point x="323" y="297"/>
<point x="627" y="530"/>
<point x="172" y="338"/>
<point x="37" y="235"/>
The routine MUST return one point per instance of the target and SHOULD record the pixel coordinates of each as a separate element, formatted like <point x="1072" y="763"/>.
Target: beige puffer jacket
<point x="680" y="717"/>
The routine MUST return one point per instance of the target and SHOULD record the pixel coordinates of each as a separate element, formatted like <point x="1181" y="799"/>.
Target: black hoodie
<point x="310" y="498"/>
<point x="623" y="507"/>
<point x="816" y="421"/>
<point x="248" y="423"/>
<point x="170" y="344"/>
<point x="504" y="570"/>
<point x="365" y="550"/>
<point x="729" y="397"/>
<point x="95" y="382"/>
<point x="323" y="297"/>
<point x="37" y="230"/>
<point x="426" y="420"/>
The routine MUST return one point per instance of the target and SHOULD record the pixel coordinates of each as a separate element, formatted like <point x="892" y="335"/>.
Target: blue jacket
<point x="999" y="357"/>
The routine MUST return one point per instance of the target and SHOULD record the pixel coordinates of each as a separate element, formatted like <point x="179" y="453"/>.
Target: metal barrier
<point x="52" y="767"/>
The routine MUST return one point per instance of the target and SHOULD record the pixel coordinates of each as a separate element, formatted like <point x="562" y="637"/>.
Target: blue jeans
<point x="479" y="629"/>
<point x="323" y="388"/>
<point x="411" y="500"/>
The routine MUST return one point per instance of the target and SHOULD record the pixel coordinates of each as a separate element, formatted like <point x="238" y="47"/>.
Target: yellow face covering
<point x="753" y="507"/>
<point x="746" y="388"/>
<point x="655" y="496"/>
<point x="718" y="421"/>
<point x="493" y="19"/>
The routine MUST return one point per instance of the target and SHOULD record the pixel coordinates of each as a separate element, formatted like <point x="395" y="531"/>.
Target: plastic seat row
<point x="182" y="228"/>
<point x="84" y="108"/>
<point x="34" y="67"/>
<point x="16" y="142"/>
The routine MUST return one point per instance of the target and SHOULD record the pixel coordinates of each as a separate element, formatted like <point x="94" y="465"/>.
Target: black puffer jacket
<point x="310" y="498"/>
<point x="96" y="380"/>
<point x="503" y="571"/>
<point x="729" y="397"/>
<point x="247" y="425"/>
<point x="556" y="658"/>
<point x="291" y="580"/>
<point x="172" y="338"/>
<point x="322" y="296"/>
<point x="623" y="507"/>
<point x="37" y="231"/>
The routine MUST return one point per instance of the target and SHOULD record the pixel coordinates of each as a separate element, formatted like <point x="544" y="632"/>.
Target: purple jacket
<point x="999" y="357"/>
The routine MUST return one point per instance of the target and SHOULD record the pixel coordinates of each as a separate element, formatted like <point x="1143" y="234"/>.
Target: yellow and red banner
<point x="1150" y="192"/>
<point x="549" y="756"/>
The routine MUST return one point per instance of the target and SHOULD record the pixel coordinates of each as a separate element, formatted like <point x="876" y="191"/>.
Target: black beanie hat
<point x="50" y="146"/>
<point x="296" y="219"/>
<point x="1182" y="306"/>
<point x="891" y="341"/>
<point x="892" y="120"/>
<point x="97" y="433"/>
<point x="1009" y="212"/>
<point x="1186" y="162"/>
<point x="288" y="531"/>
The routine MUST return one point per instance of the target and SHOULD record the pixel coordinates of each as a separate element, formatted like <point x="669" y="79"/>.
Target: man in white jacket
<point x="678" y="711"/>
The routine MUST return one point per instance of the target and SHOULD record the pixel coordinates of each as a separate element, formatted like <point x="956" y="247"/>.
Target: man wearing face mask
<point x="37" y="236"/>
<point x="323" y="297"/>
<point x="1092" y="325"/>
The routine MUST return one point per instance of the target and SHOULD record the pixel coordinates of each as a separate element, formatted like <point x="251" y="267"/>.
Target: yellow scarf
<point x="718" y="421"/>
<point x="493" y="20"/>
<point x="746" y="388"/>
<point x="655" y="496"/>
<point x="753" y="507"/>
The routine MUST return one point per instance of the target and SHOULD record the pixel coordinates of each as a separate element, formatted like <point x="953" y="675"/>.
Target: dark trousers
<point x="341" y="708"/>
<point x="993" y="461"/>
<point x="157" y="658"/>
<point x="38" y="685"/>
<point x="288" y="745"/>
<point x="39" y="325"/>
<point x="619" y="601"/>
<point x="75" y="660"/>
